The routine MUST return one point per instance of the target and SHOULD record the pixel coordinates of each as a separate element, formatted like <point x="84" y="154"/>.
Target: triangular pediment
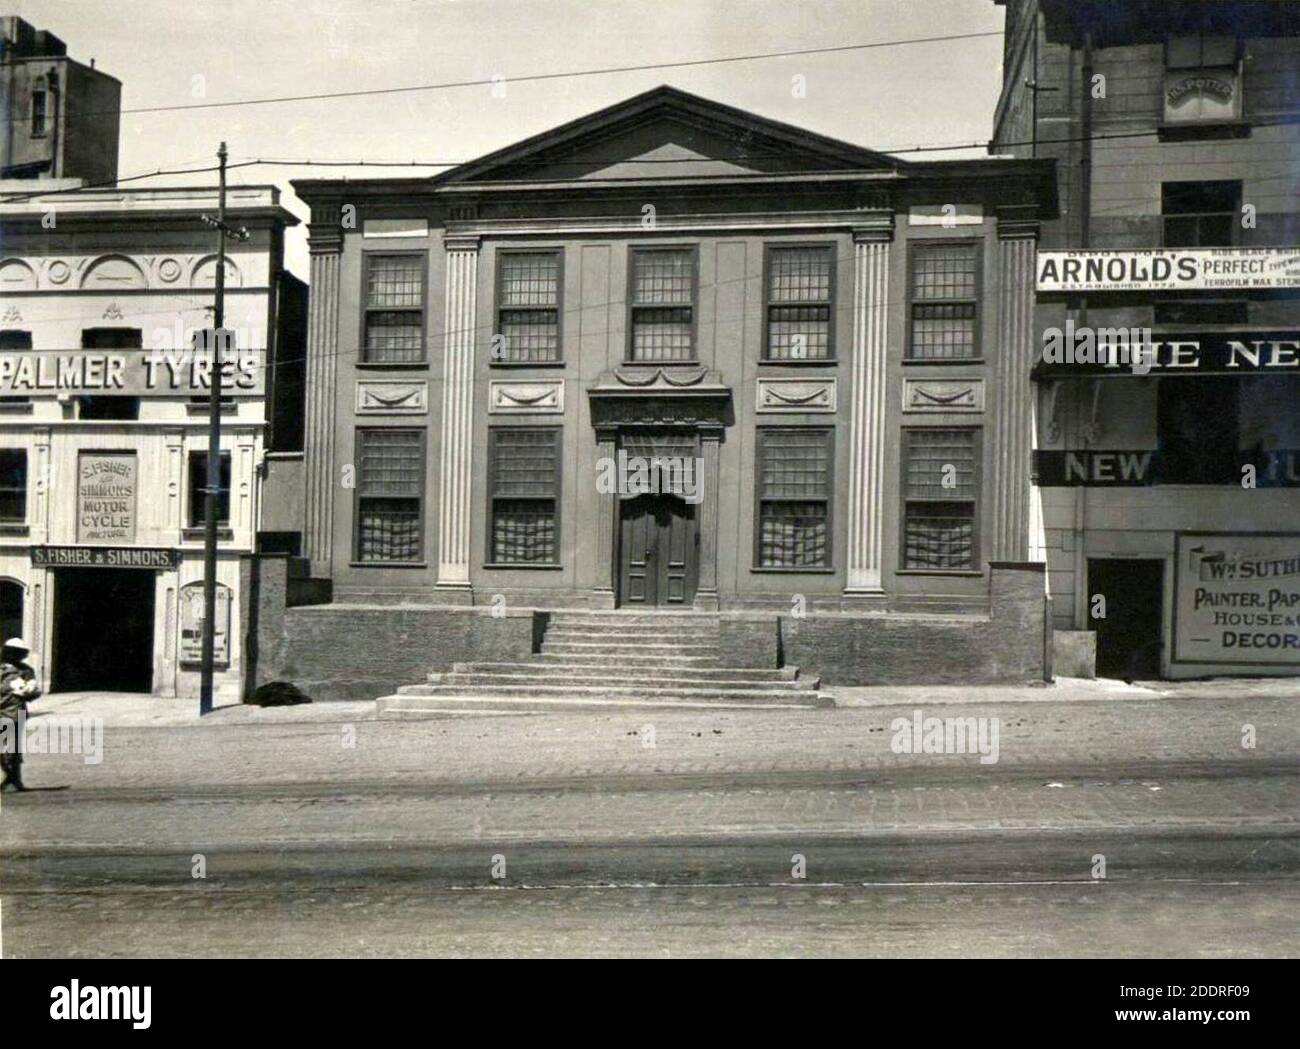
<point x="666" y="133"/>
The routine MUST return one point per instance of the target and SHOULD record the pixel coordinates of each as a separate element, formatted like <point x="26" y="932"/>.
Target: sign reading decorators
<point x="1237" y="598"/>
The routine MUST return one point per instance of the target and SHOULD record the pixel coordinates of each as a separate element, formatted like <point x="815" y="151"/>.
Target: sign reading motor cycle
<point x="106" y="497"/>
<point x="129" y="373"/>
<point x="1237" y="598"/>
<point x="1173" y="269"/>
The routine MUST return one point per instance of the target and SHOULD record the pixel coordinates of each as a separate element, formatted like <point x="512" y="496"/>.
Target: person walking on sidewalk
<point x="17" y="688"/>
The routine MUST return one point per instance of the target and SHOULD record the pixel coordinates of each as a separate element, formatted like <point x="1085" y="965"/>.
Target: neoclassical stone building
<point x="839" y="341"/>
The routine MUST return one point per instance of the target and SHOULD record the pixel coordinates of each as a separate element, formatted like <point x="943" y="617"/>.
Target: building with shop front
<point x="104" y="423"/>
<point x="1169" y="479"/>
<point x="833" y="344"/>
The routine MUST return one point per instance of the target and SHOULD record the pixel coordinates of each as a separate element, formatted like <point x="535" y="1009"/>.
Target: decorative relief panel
<point x="943" y="395"/>
<point x="392" y="398"/>
<point x="796" y="395"/>
<point x="526" y="398"/>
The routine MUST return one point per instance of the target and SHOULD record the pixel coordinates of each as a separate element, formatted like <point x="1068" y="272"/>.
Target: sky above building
<point x="217" y="51"/>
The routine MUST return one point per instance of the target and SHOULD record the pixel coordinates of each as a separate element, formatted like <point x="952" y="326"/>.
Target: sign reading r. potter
<point x="133" y="373"/>
<point x="633" y="475"/>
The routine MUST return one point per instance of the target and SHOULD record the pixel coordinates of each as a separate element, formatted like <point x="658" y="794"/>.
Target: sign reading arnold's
<point x="1237" y="599"/>
<point x="135" y="373"/>
<point x="1191" y="269"/>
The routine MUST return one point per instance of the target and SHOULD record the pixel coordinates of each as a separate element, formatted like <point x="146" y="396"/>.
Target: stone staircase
<point x="613" y="660"/>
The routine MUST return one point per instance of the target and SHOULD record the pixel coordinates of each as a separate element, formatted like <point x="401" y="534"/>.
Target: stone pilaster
<point x="1011" y="415"/>
<point x="867" y="409"/>
<point x="602" y="596"/>
<point x="325" y="242"/>
<point x="455" y="471"/>
<point x="706" y="593"/>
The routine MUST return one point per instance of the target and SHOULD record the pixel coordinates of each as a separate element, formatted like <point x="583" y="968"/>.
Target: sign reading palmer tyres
<point x="129" y="373"/>
<point x="1173" y="269"/>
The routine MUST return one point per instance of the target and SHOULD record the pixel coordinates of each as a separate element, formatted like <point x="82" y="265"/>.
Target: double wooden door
<point x="658" y="552"/>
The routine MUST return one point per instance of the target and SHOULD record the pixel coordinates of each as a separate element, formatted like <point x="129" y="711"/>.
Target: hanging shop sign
<point x="127" y="373"/>
<point x="1237" y="598"/>
<point x="106" y="497"/>
<point x="104" y="557"/>
<point x="192" y="625"/>
<point x="1173" y="269"/>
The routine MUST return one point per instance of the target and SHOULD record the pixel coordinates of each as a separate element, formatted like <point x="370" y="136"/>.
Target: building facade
<point x="61" y="117"/>
<point x="1169" y="482"/>
<point x="104" y="425"/>
<point x="508" y="360"/>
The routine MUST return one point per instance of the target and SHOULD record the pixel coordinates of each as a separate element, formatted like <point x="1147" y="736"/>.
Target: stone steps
<point x="526" y="676"/>
<point x="619" y="669"/>
<point x="635" y="693"/>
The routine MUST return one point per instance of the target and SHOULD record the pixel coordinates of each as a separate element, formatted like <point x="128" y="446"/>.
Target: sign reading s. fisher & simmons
<point x="1237" y="598"/>
<point x="106" y="497"/>
<point x="128" y="373"/>
<point x="1172" y="269"/>
<point x="146" y="557"/>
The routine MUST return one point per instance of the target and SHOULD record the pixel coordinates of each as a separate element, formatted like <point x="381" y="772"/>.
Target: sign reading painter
<point x="106" y="497"/>
<point x="1237" y="599"/>
<point x="1189" y="269"/>
<point x="133" y="373"/>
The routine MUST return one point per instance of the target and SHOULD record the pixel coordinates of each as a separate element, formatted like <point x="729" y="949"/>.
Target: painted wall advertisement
<point x="1237" y="598"/>
<point x="192" y="625"/>
<point x="106" y="497"/>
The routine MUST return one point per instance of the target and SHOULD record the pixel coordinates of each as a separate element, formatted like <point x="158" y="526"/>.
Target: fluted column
<point x="457" y="416"/>
<point x="1012" y="417"/>
<point x="325" y="241"/>
<point x="602" y="595"/>
<point x="706" y="593"/>
<point x="867" y="412"/>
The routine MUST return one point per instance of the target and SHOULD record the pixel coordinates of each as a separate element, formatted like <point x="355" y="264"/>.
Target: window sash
<point x="794" y="484"/>
<point x="524" y="494"/>
<point x="529" y="297"/>
<point x="199" y="481"/>
<point x="943" y="301"/>
<point x="800" y="290"/>
<point x="392" y="326"/>
<point x="940" y="528"/>
<point x="661" y="304"/>
<point x="390" y="494"/>
<point x="13" y="485"/>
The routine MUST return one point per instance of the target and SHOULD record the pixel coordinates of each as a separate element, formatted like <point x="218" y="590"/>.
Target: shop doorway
<point x="11" y="609"/>
<point x="658" y="562"/>
<point x="103" y="630"/>
<point x="1129" y="635"/>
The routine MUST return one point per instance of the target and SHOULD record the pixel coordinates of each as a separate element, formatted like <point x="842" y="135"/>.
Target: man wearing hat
<point x="17" y="688"/>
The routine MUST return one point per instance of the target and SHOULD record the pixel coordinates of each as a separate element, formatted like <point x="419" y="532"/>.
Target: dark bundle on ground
<point x="278" y="694"/>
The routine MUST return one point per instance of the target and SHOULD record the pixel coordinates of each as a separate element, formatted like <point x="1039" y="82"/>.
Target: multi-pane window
<point x="390" y="494"/>
<point x="524" y="486"/>
<point x="662" y="304"/>
<point x="799" y="306"/>
<point x="940" y="499"/>
<point x="528" y="307"/>
<point x="394" y="308"/>
<point x="1200" y="52"/>
<point x="13" y="485"/>
<point x="944" y="296"/>
<point x="1200" y="214"/>
<point x="13" y="339"/>
<point x="794" y="497"/>
<point x="198" y="495"/>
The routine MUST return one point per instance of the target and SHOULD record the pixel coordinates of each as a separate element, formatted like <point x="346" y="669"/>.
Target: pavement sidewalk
<point x="132" y="710"/>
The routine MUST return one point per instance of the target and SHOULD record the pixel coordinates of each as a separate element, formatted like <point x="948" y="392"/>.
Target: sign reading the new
<point x="1237" y="598"/>
<point x="128" y="373"/>
<point x="106" y="497"/>
<point x="1173" y="269"/>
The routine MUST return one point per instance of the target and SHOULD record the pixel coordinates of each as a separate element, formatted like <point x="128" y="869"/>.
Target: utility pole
<point x="216" y="343"/>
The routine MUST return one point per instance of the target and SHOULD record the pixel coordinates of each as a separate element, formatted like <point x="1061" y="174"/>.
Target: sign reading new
<point x="1174" y="269"/>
